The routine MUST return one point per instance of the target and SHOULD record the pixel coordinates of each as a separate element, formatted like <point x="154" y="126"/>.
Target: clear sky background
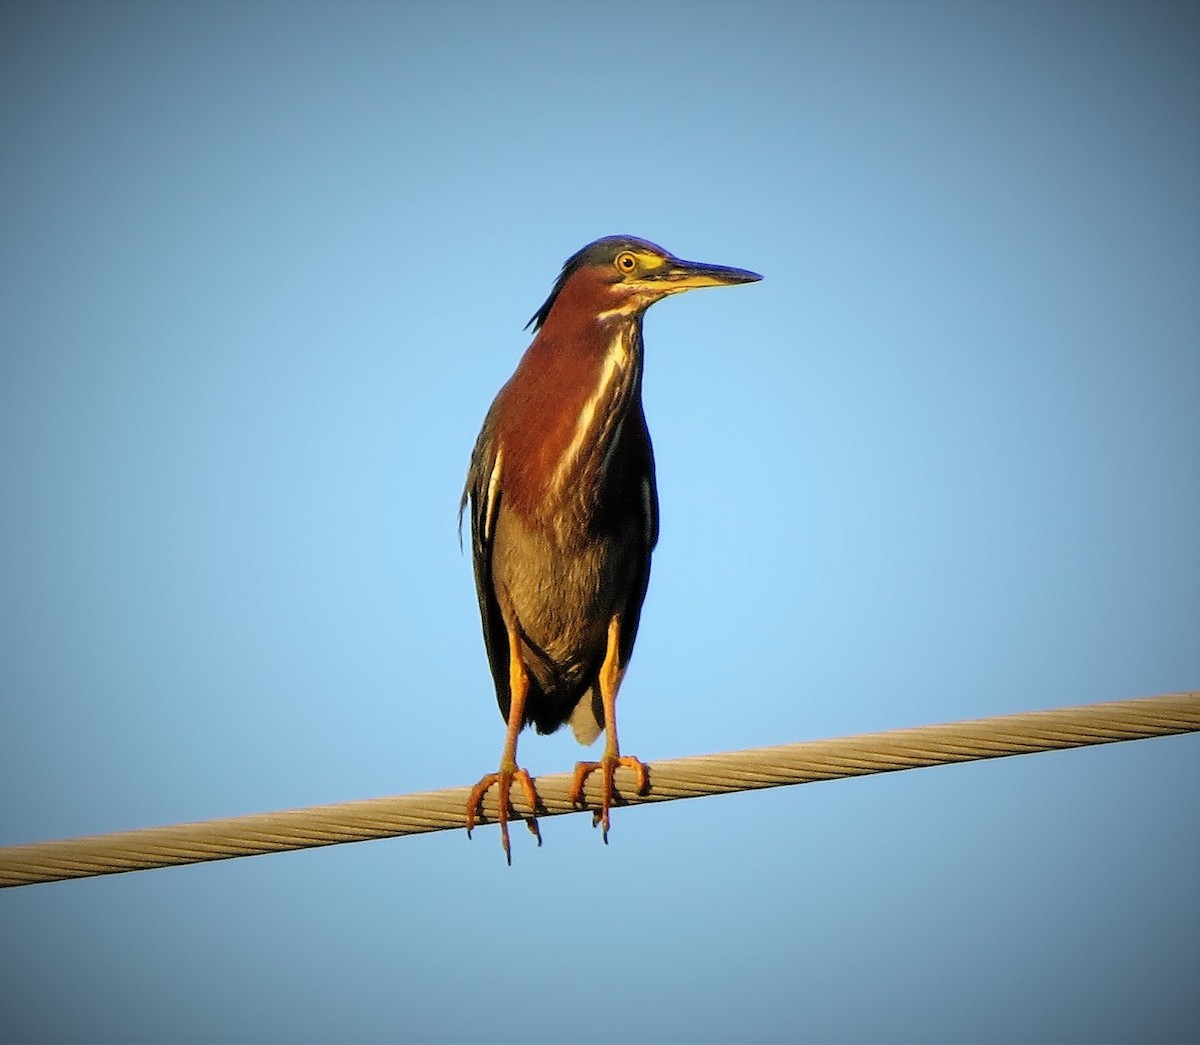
<point x="262" y="268"/>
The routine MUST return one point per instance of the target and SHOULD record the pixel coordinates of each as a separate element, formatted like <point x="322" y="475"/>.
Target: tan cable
<point x="678" y="778"/>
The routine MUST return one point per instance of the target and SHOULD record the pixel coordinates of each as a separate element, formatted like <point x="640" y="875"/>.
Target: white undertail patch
<point x="583" y="721"/>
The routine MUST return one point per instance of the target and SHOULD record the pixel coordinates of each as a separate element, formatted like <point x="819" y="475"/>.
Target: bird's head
<point x="623" y="276"/>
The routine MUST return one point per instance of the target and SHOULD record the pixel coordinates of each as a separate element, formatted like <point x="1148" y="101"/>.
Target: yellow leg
<point x="610" y="682"/>
<point x="518" y="689"/>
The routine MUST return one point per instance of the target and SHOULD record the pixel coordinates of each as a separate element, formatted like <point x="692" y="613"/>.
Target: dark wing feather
<point x="484" y="497"/>
<point x="648" y="490"/>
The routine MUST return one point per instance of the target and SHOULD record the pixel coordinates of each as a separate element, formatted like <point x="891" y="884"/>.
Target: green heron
<point x="564" y="511"/>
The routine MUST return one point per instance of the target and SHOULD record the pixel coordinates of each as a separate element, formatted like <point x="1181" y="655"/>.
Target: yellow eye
<point x="626" y="262"/>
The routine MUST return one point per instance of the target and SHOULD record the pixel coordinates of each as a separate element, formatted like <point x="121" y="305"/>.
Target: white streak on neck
<point x="489" y="506"/>
<point x="616" y="360"/>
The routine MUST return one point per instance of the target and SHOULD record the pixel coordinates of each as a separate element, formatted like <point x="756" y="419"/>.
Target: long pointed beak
<point x="680" y="275"/>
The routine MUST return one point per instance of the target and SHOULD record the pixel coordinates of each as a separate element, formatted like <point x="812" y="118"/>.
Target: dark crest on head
<point x="601" y="252"/>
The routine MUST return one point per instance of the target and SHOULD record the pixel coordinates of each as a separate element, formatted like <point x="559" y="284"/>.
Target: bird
<point x="564" y="513"/>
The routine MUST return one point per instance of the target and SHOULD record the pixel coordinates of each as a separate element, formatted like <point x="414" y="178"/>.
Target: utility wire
<point x="692" y="777"/>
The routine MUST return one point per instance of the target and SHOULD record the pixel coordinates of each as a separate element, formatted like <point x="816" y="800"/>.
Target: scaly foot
<point x="503" y="780"/>
<point x="608" y="767"/>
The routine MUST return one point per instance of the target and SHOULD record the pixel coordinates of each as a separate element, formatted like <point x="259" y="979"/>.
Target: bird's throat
<point x="598" y="422"/>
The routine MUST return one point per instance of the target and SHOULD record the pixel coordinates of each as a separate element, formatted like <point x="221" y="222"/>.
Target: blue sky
<point x="263" y="267"/>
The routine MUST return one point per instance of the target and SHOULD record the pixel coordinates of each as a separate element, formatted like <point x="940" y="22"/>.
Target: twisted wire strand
<point x="692" y="777"/>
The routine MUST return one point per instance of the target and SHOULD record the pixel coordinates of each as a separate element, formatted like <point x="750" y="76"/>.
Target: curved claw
<point x="608" y="767"/>
<point x="504" y="781"/>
